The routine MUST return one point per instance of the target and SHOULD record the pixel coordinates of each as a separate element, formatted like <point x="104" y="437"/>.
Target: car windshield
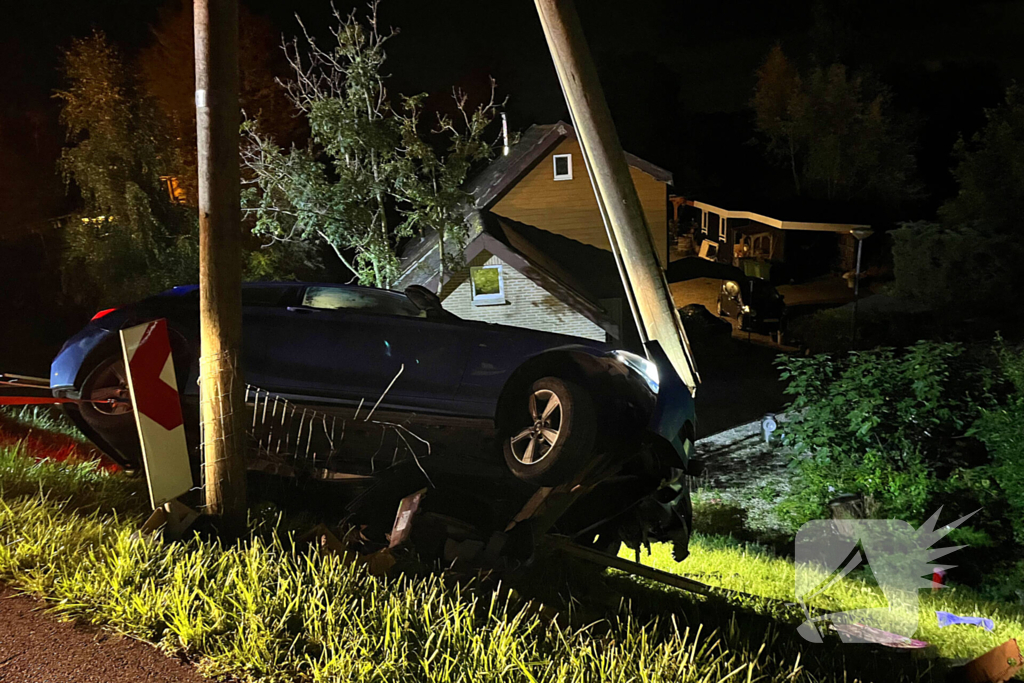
<point x="763" y="291"/>
<point x="360" y="300"/>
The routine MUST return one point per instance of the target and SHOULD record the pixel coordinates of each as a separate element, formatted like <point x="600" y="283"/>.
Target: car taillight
<point x="103" y="313"/>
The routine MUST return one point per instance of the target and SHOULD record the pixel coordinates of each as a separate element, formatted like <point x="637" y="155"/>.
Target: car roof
<point x="182" y="290"/>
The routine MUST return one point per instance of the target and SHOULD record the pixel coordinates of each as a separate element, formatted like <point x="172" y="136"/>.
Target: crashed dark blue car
<point x="554" y="400"/>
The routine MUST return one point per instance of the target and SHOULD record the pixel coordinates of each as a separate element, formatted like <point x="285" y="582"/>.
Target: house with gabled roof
<point x="538" y="254"/>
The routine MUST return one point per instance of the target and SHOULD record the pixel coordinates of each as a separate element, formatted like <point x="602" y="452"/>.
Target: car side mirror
<point x="425" y="300"/>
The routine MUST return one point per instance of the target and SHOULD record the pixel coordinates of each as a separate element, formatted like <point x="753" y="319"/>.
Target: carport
<point x="762" y="238"/>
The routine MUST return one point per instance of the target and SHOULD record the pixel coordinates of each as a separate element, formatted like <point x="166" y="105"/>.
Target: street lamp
<point x="860" y="234"/>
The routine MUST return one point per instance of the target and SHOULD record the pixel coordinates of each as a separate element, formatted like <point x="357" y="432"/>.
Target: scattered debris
<point x="325" y="540"/>
<point x="859" y="633"/>
<point x="995" y="666"/>
<point x="938" y="579"/>
<point x="949" y="619"/>
<point x="173" y="518"/>
<point x="378" y="562"/>
<point x="403" y="519"/>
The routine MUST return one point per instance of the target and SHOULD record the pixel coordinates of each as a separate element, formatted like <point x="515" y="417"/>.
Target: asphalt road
<point x="36" y="648"/>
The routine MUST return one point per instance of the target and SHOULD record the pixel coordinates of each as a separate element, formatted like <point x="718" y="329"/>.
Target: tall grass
<point x="266" y="610"/>
<point x="750" y="568"/>
<point x="44" y="418"/>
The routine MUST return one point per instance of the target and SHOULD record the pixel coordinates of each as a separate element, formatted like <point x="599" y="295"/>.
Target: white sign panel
<point x="157" y="407"/>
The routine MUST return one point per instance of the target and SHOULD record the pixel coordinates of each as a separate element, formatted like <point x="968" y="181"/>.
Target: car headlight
<point x="642" y="366"/>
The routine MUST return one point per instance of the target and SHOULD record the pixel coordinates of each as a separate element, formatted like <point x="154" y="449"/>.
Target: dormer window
<point x="563" y="166"/>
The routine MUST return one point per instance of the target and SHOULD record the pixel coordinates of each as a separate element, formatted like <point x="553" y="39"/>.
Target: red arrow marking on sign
<point x="155" y="398"/>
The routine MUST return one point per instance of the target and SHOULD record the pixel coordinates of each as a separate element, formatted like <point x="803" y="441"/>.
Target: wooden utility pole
<point x="220" y="261"/>
<point x="642" y="277"/>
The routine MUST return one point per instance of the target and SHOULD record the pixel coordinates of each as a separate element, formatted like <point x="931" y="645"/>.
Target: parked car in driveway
<point x="755" y="304"/>
<point x="554" y="399"/>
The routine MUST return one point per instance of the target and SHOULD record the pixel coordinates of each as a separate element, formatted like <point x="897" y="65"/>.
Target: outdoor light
<point x="643" y="367"/>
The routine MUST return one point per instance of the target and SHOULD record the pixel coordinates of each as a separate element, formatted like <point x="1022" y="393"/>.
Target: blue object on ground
<point x="948" y="619"/>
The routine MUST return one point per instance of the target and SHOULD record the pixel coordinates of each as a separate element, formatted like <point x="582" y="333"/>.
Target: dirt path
<point x="36" y="648"/>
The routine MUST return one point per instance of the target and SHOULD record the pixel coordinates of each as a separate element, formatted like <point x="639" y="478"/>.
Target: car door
<point x="261" y="305"/>
<point x="347" y="344"/>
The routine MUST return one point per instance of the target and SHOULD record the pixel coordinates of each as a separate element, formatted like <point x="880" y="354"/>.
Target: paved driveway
<point x="739" y="382"/>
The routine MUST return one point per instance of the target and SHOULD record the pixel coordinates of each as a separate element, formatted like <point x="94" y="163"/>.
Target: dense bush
<point x="890" y="425"/>
<point x="958" y="270"/>
<point x="1001" y="428"/>
<point x="892" y="322"/>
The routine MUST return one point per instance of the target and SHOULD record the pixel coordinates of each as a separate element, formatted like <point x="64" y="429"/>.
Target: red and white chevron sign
<point x="157" y="407"/>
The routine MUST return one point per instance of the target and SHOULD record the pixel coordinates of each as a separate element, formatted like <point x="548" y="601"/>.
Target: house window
<point x="175" y="192"/>
<point x="487" y="284"/>
<point x="563" y="166"/>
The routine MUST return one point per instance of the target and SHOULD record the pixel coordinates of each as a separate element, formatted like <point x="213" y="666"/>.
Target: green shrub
<point x="886" y="424"/>
<point x="956" y="269"/>
<point x="1001" y="428"/>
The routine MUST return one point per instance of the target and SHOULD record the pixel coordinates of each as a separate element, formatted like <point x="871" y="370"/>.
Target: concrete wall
<point x="527" y="305"/>
<point x="568" y="207"/>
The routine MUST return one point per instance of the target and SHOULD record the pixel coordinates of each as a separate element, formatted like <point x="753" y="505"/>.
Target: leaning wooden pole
<point x="220" y="261"/>
<point x="628" y="233"/>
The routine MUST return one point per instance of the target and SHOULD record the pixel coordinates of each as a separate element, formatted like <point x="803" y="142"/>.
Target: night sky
<point x="678" y="75"/>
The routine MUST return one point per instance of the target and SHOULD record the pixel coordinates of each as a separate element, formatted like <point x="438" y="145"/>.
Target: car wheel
<point x="553" y="435"/>
<point x="115" y="422"/>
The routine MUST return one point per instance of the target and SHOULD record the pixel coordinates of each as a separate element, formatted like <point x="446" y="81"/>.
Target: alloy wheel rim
<point x="536" y="441"/>
<point x="111" y="384"/>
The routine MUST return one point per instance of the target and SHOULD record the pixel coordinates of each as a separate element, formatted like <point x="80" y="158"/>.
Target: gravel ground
<point x="36" y="648"/>
<point x="742" y="471"/>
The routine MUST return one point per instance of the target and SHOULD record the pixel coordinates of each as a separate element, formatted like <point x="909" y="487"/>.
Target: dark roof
<point x="491" y="184"/>
<point x="577" y="274"/>
<point x="419" y="261"/>
<point x="589" y="269"/>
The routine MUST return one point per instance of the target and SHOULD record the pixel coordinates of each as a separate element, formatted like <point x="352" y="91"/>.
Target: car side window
<point x="263" y="296"/>
<point x="360" y="300"/>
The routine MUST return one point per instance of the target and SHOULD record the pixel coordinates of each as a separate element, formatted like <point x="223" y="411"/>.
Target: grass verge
<point x="263" y="609"/>
<point x="45" y="418"/>
<point x="748" y="567"/>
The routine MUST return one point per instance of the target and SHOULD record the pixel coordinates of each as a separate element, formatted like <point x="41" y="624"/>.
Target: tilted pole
<point x="631" y="242"/>
<point x="220" y="261"/>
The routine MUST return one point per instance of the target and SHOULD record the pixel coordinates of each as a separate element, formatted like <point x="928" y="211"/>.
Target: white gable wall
<point x="526" y="304"/>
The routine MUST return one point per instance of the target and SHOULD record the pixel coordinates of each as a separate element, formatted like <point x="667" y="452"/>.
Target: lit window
<point x="487" y="285"/>
<point x="563" y="166"/>
<point x="175" y="192"/>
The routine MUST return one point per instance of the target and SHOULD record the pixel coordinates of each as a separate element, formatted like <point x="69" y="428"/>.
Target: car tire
<point x="116" y="424"/>
<point x="553" y="433"/>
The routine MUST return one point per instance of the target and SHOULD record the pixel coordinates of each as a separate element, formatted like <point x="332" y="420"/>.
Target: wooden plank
<point x="566" y="546"/>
